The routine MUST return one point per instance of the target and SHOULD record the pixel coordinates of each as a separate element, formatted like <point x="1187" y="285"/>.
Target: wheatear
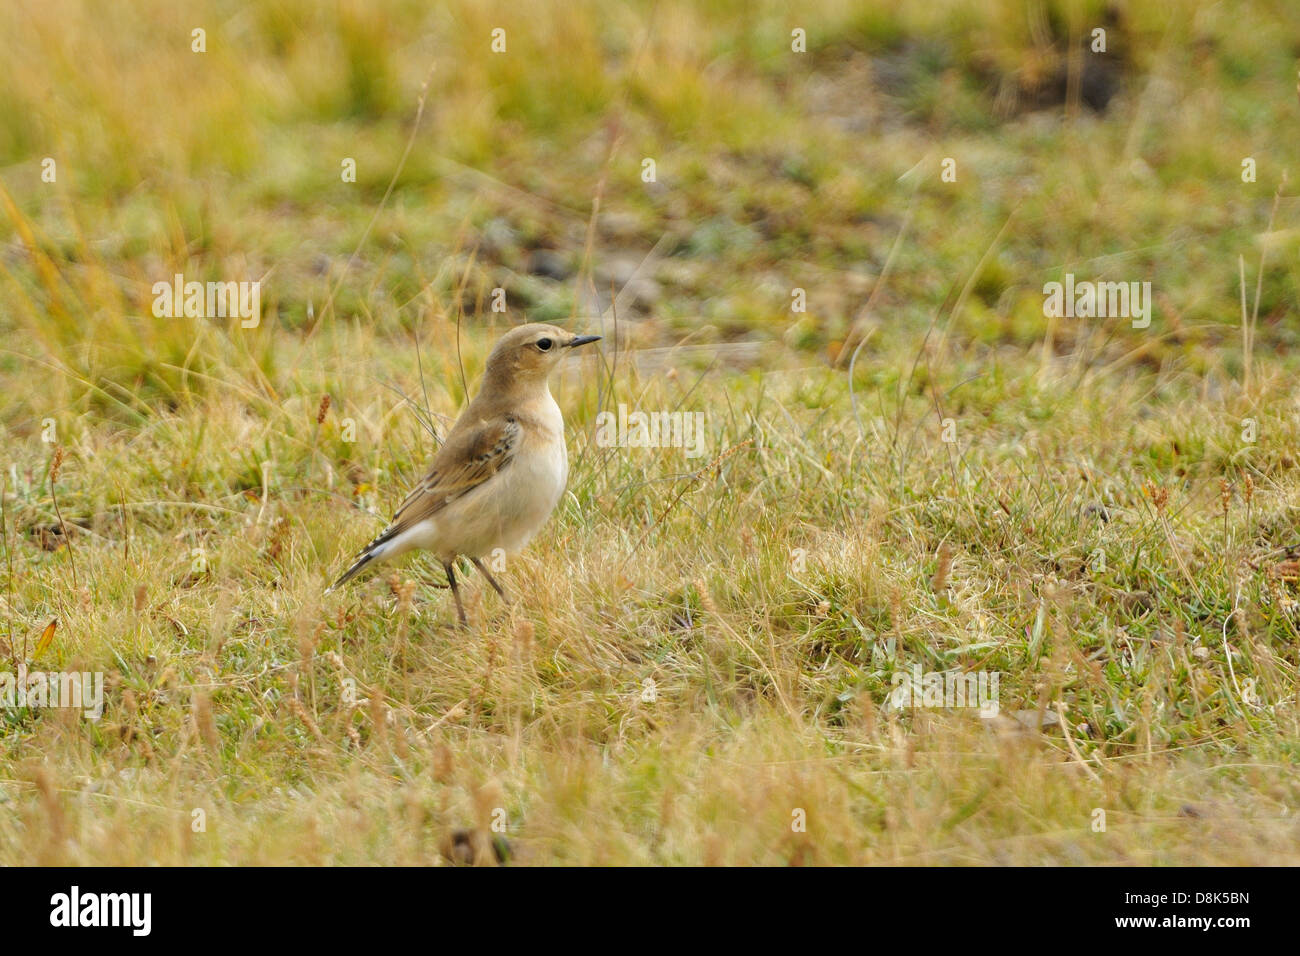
<point x="500" y="471"/>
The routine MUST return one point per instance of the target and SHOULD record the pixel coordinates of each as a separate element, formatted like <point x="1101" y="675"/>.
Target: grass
<point x="919" y="469"/>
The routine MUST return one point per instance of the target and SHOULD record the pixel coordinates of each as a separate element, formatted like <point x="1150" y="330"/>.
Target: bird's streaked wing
<point x="470" y="456"/>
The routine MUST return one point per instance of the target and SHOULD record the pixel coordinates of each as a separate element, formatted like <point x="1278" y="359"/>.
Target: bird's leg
<point x="455" y="592"/>
<point x="490" y="580"/>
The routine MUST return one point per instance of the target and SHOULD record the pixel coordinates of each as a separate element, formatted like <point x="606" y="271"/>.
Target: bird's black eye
<point x="544" y="344"/>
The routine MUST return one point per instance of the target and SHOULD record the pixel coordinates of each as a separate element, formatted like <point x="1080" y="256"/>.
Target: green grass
<point x="702" y="650"/>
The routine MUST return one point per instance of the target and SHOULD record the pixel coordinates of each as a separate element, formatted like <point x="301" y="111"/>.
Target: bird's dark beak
<point x="583" y="340"/>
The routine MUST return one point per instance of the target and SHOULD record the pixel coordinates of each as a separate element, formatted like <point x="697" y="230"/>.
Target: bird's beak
<point x="583" y="340"/>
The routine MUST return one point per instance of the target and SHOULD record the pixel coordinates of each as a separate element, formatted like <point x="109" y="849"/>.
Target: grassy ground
<point x="699" y="665"/>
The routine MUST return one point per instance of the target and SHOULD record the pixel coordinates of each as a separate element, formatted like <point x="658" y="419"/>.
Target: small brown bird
<point x="501" y="470"/>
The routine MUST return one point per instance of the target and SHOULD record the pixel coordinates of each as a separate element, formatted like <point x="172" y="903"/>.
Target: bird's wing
<point x="471" y="455"/>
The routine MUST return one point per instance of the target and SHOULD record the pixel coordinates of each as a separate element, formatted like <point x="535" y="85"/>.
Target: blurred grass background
<point x="200" y="506"/>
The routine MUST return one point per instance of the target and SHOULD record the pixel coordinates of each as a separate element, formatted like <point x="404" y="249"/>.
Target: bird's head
<point x="526" y="356"/>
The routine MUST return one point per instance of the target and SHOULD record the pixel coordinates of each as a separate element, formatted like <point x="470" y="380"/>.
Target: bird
<point x="500" y="471"/>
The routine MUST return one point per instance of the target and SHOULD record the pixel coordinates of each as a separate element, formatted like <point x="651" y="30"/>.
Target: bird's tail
<point x="357" y="567"/>
<point x="373" y="552"/>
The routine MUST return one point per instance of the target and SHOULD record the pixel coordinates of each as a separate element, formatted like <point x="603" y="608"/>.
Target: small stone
<point x="549" y="264"/>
